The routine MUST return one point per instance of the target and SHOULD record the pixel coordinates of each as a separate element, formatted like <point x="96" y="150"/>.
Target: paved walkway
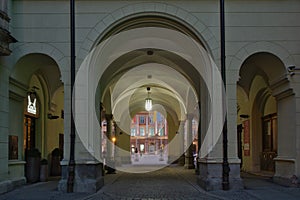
<point x="169" y="183"/>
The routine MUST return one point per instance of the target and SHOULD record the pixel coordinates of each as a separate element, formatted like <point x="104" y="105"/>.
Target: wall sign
<point x="246" y="125"/>
<point x="31" y="106"/>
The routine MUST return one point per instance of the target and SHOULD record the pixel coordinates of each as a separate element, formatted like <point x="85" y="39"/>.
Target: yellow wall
<point x="55" y="126"/>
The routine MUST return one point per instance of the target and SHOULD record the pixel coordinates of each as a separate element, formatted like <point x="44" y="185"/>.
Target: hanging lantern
<point x="148" y="101"/>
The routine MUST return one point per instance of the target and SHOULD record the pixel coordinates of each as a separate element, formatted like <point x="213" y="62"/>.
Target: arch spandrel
<point x="190" y="25"/>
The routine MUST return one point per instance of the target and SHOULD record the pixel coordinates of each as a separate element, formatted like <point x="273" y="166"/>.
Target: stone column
<point x="173" y="142"/>
<point x="110" y="160"/>
<point x="286" y="169"/>
<point x="122" y="145"/>
<point x="211" y="165"/>
<point x="88" y="170"/>
<point x="181" y="160"/>
<point x="4" y="116"/>
<point x="189" y="159"/>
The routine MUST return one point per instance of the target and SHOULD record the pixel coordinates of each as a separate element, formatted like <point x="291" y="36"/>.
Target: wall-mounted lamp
<point x="50" y="116"/>
<point x="291" y="69"/>
<point x="148" y="101"/>
<point x="244" y="116"/>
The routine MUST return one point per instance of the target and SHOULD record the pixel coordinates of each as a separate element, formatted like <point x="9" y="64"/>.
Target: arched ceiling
<point x="38" y="64"/>
<point x="170" y="91"/>
<point x="173" y="82"/>
<point x="162" y="50"/>
<point x="266" y="65"/>
<point x="150" y="21"/>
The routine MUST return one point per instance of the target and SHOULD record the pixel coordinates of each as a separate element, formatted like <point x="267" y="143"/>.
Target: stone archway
<point x="180" y="19"/>
<point x="261" y="75"/>
<point x="164" y="42"/>
<point x="34" y="78"/>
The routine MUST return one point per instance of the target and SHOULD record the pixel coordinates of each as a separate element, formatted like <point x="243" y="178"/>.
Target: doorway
<point x="239" y="143"/>
<point x="29" y="134"/>
<point x="32" y="155"/>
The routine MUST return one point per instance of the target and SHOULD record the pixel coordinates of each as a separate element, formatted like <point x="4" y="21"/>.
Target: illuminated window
<point x="151" y="131"/>
<point x="151" y="120"/>
<point x="133" y="131"/>
<point x="142" y="119"/>
<point x="142" y="147"/>
<point x="142" y="131"/>
<point x="162" y="132"/>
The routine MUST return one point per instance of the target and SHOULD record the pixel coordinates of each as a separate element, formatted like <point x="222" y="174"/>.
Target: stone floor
<point x="172" y="182"/>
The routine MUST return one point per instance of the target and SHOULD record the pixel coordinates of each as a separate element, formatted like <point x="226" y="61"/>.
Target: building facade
<point x="149" y="133"/>
<point x="170" y="46"/>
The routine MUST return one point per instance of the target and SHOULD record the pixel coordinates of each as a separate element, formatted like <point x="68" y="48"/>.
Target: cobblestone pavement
<point x="161" y="184"/>
<point x="169" y="183"/>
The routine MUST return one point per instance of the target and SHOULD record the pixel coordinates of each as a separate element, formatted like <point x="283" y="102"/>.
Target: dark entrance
<point x="32" y="155"/>
<point x="269" y="142"/>
<point x="239" y="143"/>
<point x="29" y="134"/>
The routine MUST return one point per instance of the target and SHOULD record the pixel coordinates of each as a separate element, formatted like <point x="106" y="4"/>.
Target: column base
<point x="181" y="160"/>
<point x="9" y="185"/>
<point x="172" y="159"/>
<point x="210" y="176"/>
<point x="189" y="163"/>
<point x="285" y="172"/>
<point x="88" y="177"/>
<point x="288" y="182"/>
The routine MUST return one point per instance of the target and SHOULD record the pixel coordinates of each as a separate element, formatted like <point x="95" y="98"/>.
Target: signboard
<point x="246" y="125"/>
<point x="31" y="107"/>
<point x="31" y="104"/>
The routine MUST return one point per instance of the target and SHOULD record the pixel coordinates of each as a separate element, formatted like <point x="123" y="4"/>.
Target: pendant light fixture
<point x="148" y="101"/>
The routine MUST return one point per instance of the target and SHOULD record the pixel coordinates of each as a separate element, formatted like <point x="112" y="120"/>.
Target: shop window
<point x="13" y="147"/>
<point x="142" y="147"/>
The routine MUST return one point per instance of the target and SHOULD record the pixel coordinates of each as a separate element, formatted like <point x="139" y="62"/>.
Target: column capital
<point x="189" y="116"/>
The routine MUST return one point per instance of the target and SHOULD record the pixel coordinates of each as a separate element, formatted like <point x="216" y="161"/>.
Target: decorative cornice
<point x="284" y="159"/>
<point x="5" y="39"/>
<point x="18" y="84"/>
<point x="17" y="90"/>
<point x="16" y="96"/>
<point x="284" y="94"/>
<point x="279" y="83"/>
<point x="281" y="88"/>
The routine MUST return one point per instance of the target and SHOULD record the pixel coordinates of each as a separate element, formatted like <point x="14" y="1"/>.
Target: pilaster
<point x="181" y="159"/>
<point x="189" y="159"/>
<point x="110" y="153"/>
<point x="285" y="162"/>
